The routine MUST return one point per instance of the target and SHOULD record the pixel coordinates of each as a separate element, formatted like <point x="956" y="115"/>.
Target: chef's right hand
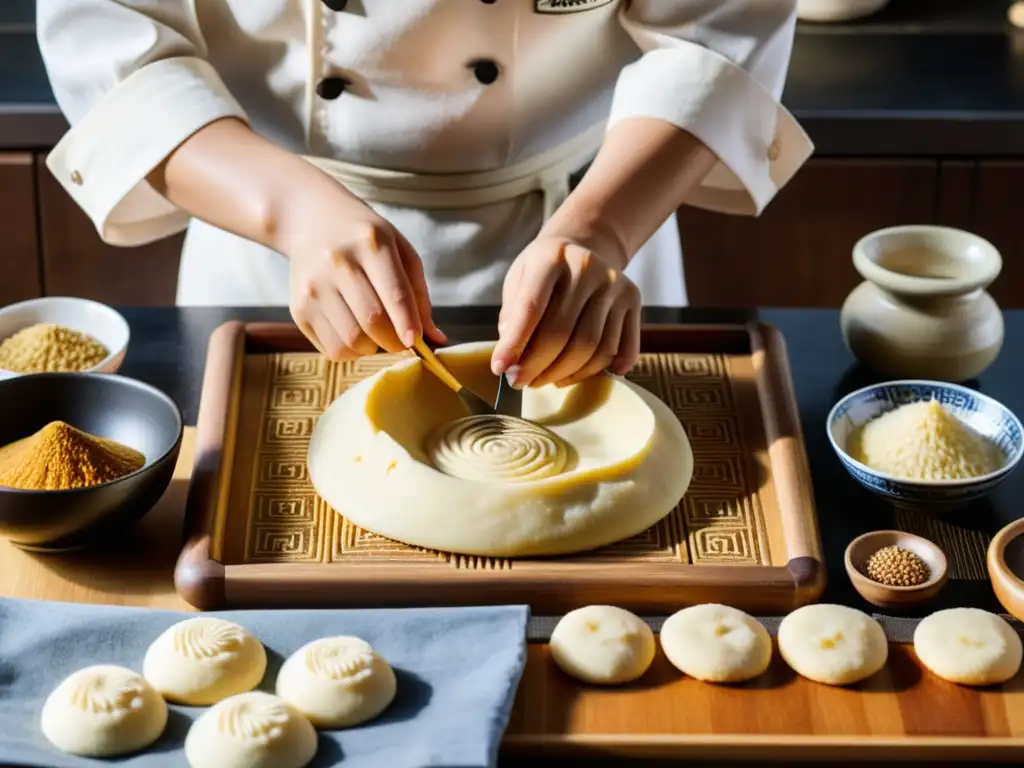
<point x="356" y="282"/>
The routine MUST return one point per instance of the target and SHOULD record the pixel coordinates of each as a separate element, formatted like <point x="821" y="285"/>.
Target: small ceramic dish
<point x="984" y="415"/>
<point x="882" y="595"/>
<point x="114" y="407"/>
<point x="83" y="315"/>
<point x="1005" y="562"/>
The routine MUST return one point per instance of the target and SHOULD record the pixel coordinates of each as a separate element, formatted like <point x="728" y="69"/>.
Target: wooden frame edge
<point x="790" y="465"/>
<point x="204" y="581"/>
<point x="198" y="575"/>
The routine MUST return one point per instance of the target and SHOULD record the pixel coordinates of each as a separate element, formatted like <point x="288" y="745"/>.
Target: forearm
<point x="642" y="174"/>
<point x="234" y="179"/>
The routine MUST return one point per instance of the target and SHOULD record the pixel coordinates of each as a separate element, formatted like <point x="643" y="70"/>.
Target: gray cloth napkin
<point x="457" y="669"/>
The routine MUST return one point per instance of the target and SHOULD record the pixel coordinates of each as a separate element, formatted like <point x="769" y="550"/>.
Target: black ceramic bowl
<point x="114" y="407"/>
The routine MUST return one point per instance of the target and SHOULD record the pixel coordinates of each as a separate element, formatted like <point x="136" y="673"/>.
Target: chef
<point x="364" y="160"/>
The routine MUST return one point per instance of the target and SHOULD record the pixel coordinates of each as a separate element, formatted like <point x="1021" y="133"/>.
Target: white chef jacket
<point x="491" y="97"/>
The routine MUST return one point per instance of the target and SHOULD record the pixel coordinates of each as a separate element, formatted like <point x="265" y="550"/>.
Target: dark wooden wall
<point x="796" y="254"/>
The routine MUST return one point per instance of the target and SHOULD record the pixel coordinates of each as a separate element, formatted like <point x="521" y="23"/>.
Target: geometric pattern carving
<point x="719" y="521"/>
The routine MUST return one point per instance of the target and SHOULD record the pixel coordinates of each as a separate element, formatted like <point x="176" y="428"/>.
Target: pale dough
<point x="251" y="730"/>
<point x="103" y="711"/>
<point x="203" y="660"/>
<point x="628" y="462"/>
<point x="832" y="644"/>
<point x="602" y="644"/>
<point x="716" y="643"/>
<point x="337" y="682"/>
<point x="968" y="646"/>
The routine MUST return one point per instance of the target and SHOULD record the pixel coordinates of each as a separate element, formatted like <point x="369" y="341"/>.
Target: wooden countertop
<point x="903" y="711"/>
<point x="663" y="715"/>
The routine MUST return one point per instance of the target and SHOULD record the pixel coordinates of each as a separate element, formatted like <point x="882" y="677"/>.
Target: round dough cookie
<point x="832" y="644"/>
<point x="251" y="730"/>
<point x="203" y="660"/>
<point x="589" y="464"/>
<point x="337" y="682"/>
<point x="716" y="643"/>
<point x="103" y="711"/>
<point x="602" y="644"/>
<point x="968" y="646"/>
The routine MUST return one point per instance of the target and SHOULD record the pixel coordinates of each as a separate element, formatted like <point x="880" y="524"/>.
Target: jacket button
<point x="485" y="71"/>
<point x="336" y="5"/>
<point x="331" y="87"/>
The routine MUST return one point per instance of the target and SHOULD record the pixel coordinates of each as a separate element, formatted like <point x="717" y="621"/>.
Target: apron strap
<point x="547" y="172"/>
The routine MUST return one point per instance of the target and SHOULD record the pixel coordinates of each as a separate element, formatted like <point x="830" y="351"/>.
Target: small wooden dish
<point x="1008" y="586"/>
<point x="882" y="595"/>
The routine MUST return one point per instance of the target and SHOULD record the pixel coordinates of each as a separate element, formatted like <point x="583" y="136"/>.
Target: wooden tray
<point x="902" y="713"/>
<point x="258" y="535"/>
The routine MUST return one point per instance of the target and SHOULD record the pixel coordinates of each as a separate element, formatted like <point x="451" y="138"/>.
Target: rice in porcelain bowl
<point x="981" y="413"/>
<point x="83" y="315"/>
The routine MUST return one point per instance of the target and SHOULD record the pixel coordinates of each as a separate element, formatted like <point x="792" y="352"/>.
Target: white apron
<point x="467" y="228"/>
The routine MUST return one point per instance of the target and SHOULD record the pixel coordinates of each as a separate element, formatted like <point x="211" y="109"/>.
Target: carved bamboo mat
<point x="965" y="548"/>
<point x="721" y="520"/>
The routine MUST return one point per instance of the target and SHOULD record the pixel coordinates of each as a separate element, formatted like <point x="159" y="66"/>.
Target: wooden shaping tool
<point x="475" y="404"/>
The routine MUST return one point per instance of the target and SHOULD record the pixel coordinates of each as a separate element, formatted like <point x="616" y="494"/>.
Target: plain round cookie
<point x="251" y="730"/>
<point x="337" y="682"/>
<point x="968" y="646"/>
<point x="832" y="644"/>
<point x="203" y="660"/>
<point x="103" y="711"/>
<point x="602" y="644"/>
<point x="716" y="643"/>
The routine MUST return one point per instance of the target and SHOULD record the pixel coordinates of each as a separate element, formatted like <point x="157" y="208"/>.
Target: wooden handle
<point x="435" y="366"/>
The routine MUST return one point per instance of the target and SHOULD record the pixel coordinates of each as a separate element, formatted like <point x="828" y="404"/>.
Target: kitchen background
<point x="917" y="113"/>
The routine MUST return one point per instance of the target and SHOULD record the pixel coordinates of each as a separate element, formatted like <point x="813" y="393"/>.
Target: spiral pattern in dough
<point x="497" y="448"/>
<point x="344" y="660"/>
<point x="108" y="692"/>
<point x="256" y="721"/>
<point x="207" y="638"/>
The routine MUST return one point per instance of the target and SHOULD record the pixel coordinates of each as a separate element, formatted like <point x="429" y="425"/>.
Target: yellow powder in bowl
<point x="47" y="347"/>
<point x="924" y="441"/>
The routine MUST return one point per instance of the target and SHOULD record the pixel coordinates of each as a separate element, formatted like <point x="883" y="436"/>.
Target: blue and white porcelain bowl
<point x="983" y="414"/>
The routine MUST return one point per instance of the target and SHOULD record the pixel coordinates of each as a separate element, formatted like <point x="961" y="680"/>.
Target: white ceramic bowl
<point x="82" y="315"/>
<point x="986" y="416"/>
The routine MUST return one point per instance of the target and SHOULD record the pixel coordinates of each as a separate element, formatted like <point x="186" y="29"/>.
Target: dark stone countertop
<point x="168" y="350"/>
<point x="920" y="78"/>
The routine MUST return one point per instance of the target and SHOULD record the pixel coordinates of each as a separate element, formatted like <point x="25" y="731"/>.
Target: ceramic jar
<point x="922" y="311"/>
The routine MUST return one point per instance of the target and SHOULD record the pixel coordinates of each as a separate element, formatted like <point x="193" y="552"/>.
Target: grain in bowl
<point x="924" y="441"/>
<point x="983" y="416"/>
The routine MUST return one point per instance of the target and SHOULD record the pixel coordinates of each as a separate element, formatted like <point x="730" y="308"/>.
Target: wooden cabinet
<point x="998" y="209"/>
<point x="76" y="262"/>
<point x="19" y="264"/>
<point x="798" y="252"/>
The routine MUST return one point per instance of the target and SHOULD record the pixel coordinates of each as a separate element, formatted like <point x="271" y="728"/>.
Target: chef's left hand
<point x="567" y="314"/>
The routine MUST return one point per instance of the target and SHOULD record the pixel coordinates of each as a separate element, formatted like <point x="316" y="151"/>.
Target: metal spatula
<point x="510" y="400"/>
<point x="475" y="404"/>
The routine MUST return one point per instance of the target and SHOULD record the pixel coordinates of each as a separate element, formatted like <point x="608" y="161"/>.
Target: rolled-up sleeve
<point x="131" y="78"/>
<point x="716" y="69"/>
